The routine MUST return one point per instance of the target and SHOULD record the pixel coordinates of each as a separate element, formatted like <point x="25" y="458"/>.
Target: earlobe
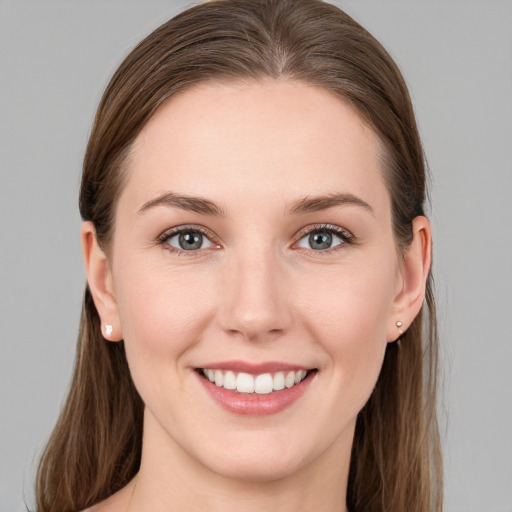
<point x="415" y="268"/>
<point x="99" y="278"/>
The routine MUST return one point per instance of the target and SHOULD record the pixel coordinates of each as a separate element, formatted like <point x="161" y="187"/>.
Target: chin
<point x="258" y="456"/>
<point x="255" y="469"/>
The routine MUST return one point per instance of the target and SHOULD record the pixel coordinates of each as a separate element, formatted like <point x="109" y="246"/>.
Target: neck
<point x="170" y="480"/>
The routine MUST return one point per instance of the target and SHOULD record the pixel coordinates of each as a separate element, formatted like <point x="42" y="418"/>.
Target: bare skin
<point x="258" y="286"/>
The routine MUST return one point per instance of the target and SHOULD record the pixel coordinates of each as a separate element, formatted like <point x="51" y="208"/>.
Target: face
<point x="253" y="245"/>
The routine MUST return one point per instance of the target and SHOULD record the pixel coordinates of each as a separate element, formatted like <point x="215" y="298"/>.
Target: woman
<point x="258" y="329"/>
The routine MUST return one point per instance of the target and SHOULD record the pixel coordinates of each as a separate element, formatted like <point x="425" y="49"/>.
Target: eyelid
<point x="346" y="236"/>
<point x="168" y="233"/>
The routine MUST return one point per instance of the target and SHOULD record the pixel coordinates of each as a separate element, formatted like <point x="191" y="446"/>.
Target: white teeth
<point x="245" y="383"/>
<point x="289" y="380"/>
<point x="279" y="381"/>
<point x="299" y="376"/>
<point x="219" y="378"/>
<point x="264" y="384"/>
<point x="229" y="380"/>
<point x="261" y="384"/>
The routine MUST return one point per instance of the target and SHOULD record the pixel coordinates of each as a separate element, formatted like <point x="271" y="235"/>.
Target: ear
<point x="414" y="270"/>
<point x="99" y="277"/>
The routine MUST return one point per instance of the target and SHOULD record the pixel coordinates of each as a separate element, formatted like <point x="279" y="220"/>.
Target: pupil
<point x="320" y="240"/>
<point x="190" y="240"/>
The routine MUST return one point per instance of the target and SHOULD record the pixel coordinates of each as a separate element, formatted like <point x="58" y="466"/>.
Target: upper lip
<point x="255" y="368"/>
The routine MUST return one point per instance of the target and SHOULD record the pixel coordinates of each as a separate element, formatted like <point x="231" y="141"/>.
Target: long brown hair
<point x="95" y="448"/>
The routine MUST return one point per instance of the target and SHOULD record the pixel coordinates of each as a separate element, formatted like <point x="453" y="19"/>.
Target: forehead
<point x="254" y="141"/>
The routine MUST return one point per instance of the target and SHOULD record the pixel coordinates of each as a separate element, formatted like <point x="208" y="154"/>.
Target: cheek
<point x="351" y="304"/>
<point x="349" y="320"/>
<point x="163" y="313"/>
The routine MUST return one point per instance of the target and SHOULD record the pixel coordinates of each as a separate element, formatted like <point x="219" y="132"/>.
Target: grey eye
<point x="188" y="240"/>
<point x="320" y="240"/>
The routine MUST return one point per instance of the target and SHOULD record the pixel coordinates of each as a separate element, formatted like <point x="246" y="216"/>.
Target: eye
<point x="186" y="239"/>
<point x="323" y="238"/>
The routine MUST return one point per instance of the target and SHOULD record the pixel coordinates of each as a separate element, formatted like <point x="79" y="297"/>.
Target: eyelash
<point x="346" y="237"/>
<point x="164" y="237"/>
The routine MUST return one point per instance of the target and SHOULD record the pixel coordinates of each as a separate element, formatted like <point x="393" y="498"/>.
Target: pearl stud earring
<point x="108" y="329"/>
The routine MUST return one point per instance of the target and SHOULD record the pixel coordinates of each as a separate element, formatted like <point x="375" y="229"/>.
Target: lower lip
<point x="254" y="404"/>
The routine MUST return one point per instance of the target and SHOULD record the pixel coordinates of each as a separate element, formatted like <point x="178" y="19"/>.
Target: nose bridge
<point x="255" y="304"/>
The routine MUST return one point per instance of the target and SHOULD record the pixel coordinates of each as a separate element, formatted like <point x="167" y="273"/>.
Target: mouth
<point x="255" y="384"/>
<point x="255" y="389"/>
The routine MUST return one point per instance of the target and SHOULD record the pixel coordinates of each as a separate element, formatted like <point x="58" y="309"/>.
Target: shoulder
<point x="108" y="505"/>
<point x="116" y="503"/>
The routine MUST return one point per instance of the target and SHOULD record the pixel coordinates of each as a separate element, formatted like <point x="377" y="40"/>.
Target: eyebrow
<point x="189" y="203"/>
<point x="309" y="204"/>
<point x="306" y="204"/>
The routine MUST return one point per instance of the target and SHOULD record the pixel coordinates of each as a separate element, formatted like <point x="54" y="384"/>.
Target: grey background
<point x="56" y="57"/>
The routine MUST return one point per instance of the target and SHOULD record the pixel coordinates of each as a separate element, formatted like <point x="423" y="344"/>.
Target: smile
<point x="261" y="384"/>
<point x="255" y="389"/>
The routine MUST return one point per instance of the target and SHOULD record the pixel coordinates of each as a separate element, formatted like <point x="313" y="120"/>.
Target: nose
<point x="256" y="301"/>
